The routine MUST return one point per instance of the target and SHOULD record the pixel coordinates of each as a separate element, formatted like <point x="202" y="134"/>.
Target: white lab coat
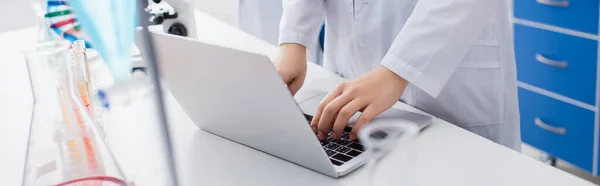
<point x="457" y="54"/>
<point x="261" y="18"/>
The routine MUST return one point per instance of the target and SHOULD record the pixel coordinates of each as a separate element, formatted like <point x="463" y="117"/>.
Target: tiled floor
<point x="536" y="154"/>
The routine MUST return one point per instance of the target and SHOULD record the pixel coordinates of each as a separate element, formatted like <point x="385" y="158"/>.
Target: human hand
<point x="291" y="65"/>
<point x="372" y="93"/>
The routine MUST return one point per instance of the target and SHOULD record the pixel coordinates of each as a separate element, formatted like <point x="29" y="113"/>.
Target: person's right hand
<point x="291" y="65"/>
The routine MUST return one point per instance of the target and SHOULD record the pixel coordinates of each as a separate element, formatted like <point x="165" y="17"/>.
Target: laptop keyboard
<point x="340" y="151"/>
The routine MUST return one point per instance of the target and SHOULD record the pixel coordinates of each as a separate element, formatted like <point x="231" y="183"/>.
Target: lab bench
<point x="556" y="50"/>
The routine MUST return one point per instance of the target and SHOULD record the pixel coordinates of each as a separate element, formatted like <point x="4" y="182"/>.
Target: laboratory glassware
<point x="388" y="147"/>
<point x="145" y="94"/>
<point x="64" y="147"/>
<point x="81" y="74"/>
<point x="131" y="112"/>
<point x="83" y="79"/>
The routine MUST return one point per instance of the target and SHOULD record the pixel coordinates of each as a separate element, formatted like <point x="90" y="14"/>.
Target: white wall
<point x="225" y="10"/>
<point x="16" y="14"/>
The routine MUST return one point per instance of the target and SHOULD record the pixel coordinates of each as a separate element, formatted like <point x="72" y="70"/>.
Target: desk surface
<point x="447" y="155"/>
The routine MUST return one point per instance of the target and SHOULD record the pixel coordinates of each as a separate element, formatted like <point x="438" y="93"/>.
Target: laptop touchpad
<point x="306" y="93"/>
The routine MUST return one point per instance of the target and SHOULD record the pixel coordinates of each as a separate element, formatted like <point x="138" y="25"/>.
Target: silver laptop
<point x="239" y="96"/>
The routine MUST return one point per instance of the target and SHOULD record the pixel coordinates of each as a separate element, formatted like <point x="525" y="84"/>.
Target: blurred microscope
<point x="175" y="17"/>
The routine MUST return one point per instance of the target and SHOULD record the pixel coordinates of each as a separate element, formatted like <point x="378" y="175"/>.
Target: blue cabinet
<point x="558" y="128"/>
<point x="556" y="49"/>
<point x="557" y="62"/>
<point x="579" y="15"/>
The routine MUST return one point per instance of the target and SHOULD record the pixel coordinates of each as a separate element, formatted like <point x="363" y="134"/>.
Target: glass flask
<point x="64" y="146"/>
<point x="83" y="79"/>
<point x="388" y="146"/>
<point x="131" y="112"/>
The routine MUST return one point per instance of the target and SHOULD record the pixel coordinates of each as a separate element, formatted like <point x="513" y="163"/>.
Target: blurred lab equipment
<point x="384" y="140"/>
<point x="111" y="26"/>
<point x="64" y="147"/>
<point x="63" y="21"/>
<point x="132" y="113"/>
<point x="159" y="11"/>
<point x="163" y="13"/>
<point x="82" y="77"/>
<point x="556" y="52"/>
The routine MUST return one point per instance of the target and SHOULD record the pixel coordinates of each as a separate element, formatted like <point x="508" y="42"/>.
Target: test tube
<point x="82" y="76"/>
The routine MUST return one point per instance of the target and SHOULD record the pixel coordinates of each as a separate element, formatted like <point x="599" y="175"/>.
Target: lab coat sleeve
<point x="301" y="22"/>
<point x="435" y="39"/>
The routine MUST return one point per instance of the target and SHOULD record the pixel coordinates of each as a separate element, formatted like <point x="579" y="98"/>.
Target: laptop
<point x="239" y="96"/>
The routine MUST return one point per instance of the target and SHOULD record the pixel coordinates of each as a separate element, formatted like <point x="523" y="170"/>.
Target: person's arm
<point x="426" y="52"/>
<point x="435" y="39"/>
<point x="301" y="22"/>
<point x="299" y="29"/>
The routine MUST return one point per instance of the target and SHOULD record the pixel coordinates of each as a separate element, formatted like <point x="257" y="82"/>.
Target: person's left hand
<point x="372" y="93"/>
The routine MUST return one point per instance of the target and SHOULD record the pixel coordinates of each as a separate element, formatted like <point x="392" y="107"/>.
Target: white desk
<point x="447" y="155"/>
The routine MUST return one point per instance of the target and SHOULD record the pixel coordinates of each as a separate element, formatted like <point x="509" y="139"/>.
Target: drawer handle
<point x="557" y="130"/>
<point x="563" y="3"/>
<point x="560" y="64"/>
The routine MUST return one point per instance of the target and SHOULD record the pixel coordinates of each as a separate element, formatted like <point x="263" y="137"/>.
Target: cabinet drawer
<point x="580" y="15"/>
<point x="541" y="54"/>
<point x="558" y="128"/>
